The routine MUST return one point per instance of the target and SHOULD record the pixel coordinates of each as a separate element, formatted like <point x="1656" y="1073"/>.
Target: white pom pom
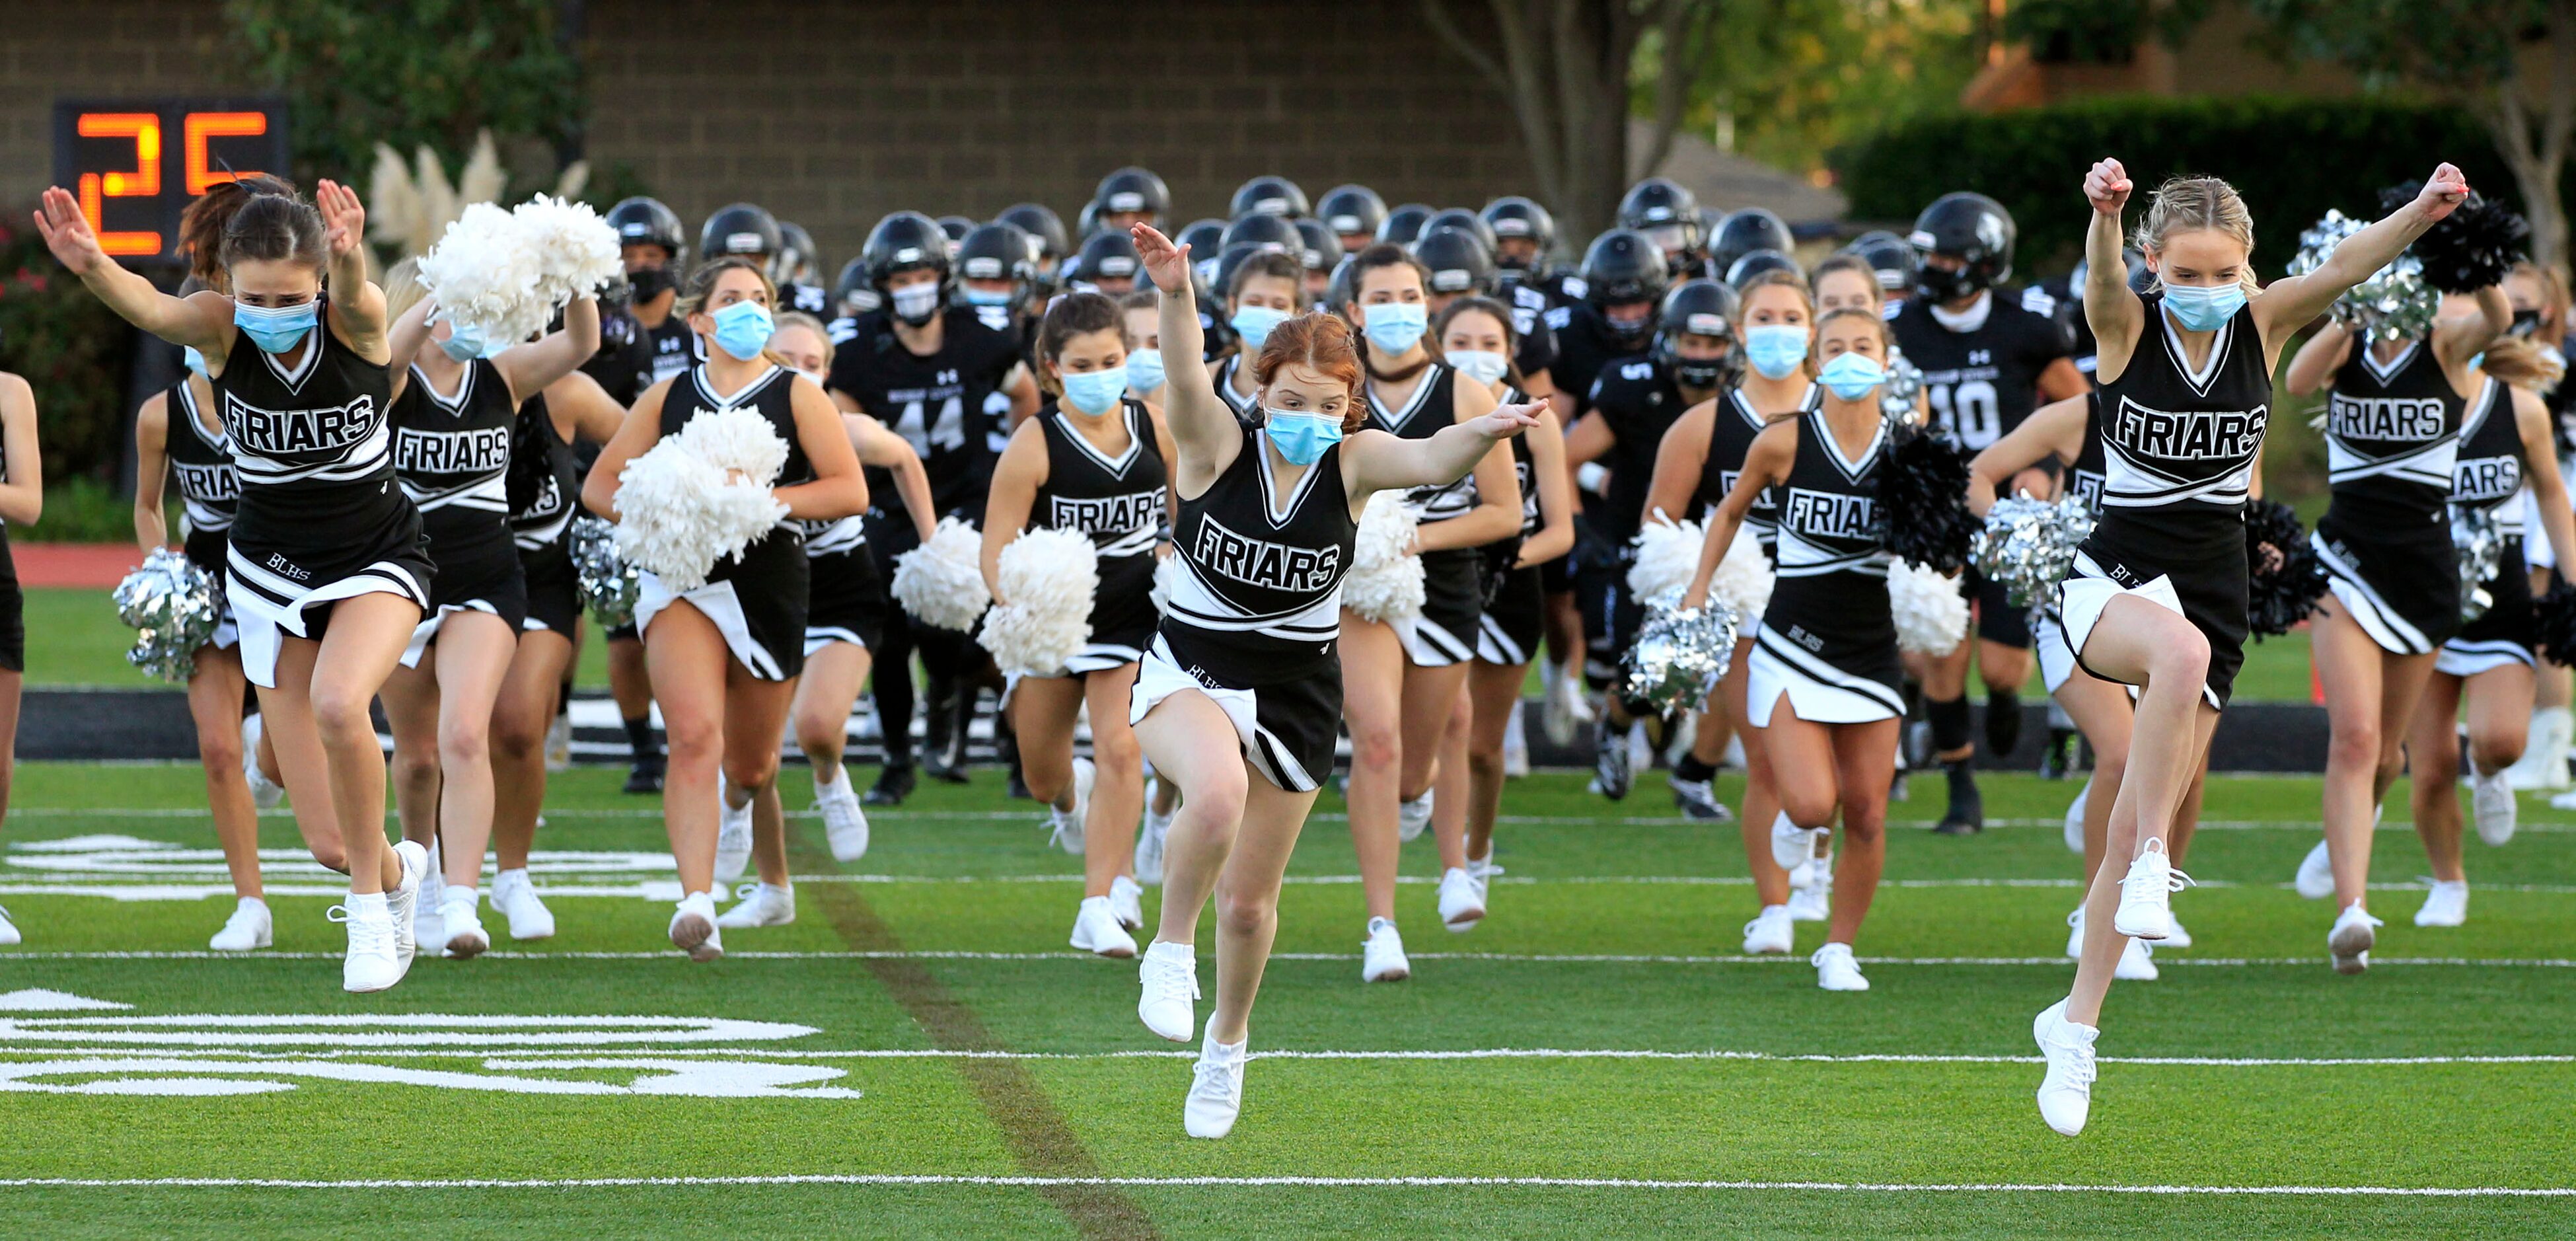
<point x="576" y="251"/>
<point x="1667" y="557"/>
<point x="740" y="441"/>
<point x="1931" y="618"/>
<point x="1167" y="574"/>
<point x="1743" y="580"/>
<point x="679" y="514"/>
<point x="1049" y="577"/>
<point x="941" y="582"/>
<point x="484" y="274"/>
<point x="1384" y="584"/>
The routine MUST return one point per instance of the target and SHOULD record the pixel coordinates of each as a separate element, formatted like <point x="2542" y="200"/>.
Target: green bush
<point x="2292" y="159"/>
<point x="85" y="510"/>
<point x="71" y="349"/>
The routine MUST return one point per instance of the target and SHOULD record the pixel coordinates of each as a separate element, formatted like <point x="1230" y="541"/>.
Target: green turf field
<point x="924" y="1053"/>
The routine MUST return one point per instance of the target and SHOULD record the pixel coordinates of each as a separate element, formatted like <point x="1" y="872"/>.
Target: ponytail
<point x="201" y="226"/>
<point x="2522" y="364"/>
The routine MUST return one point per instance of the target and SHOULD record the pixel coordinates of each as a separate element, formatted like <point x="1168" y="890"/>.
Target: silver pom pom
<point x="2029" y="545"/>
<point x="607" y="583"/>
<point x="2480" y="542"/>
<point x="1898" y="396"/>
<point x="174" y="607"/>
<point x="2393" y="304"/>
<point x="1679" y="655"/>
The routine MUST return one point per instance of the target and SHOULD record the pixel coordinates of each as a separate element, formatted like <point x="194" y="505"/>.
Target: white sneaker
<point x="2175" y="936"/>
<point x="2491" y="802"/>
<point x="249" y="928"/>
<point x="2564" y="801"/>
<point x="1811" y="897"/>
<point x="2075" y="934"/>
<point x="1413" y="816"/>
<point x="845" y="824"/>
<point x="1515" y="744"/>
<point x="2543" y="764"/>
<point x="515" y="895"/>
<point x="1462" y="899"/>
<point x="1773" y="930"/>
<point x="264" y="792"/>
<point x="733" y="835"/>
<point x="374" y="961"/>
<point x="460" y="925"/>
<point x="693" y="927"/>
<point x="2066" y="1092"/>
<point x="1679" y="739"/>
<point x="1382" y="957"/>
<point x="1169" y="977"/>
<point x="2136" y="964"/>
<point x="2446" y="905"/>
<point x="404" y="901"/>
<point x="1127" y="900"/>
<point x="1064" y="827"/>
<point x="8" y="931"/>
<point x="559" y="742"/>
<point x="2075" y="819"/>
<point x="1096" y="930"/>
<point x="2146" y="894"/>
<point x="1613" y="766"/>
<point x="758" y="905"/>
<point x="1149" y="841"/>
<point x="1836" y="970"/>
<point x="1216" y="1090"/>
<point x="431" y="900"/>
<point x="1792" y="845"/>
<point x="2316" y="873"/>
<point x="2350" y="942"/>
<point x="1566" y="710"/>
<point x="1641" y="748"/>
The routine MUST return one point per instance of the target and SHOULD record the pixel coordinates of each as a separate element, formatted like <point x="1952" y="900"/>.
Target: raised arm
<point x="534" y="366"/>
<point x="1679" y="458"/>
<point x="403" y="341"/>
<point x="1375" y="461"/>
<point x="1016" y="479"/>
<point x="2056" y="428"/>
<point x="22" y="495"/>
<point x="151" y="471"/>
<point x="837" y="489"/>
<point x="2313" y="367"/>
<point x="357" y="305"/>
<point x="2111" y="308"/>
<point x="2287" y="304"/>
<point x="1766" y="463"/>
<point x="1202" y="427"/>
<point x="890" y="452"/>
<point x="203" y="321"/>
<point x="2458" y="338"/>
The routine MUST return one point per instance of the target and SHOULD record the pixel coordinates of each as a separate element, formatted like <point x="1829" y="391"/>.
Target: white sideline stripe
<point x="1295" y="1182"/>
<point x="1605" y="958"/>
<point x="527" y="1059"/>
<point x="123" y="886"/>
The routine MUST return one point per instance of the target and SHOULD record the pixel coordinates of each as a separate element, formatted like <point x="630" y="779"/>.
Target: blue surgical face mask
<point x="1851" y="375"/>
<point x="743" y="329"/>
<point x="1396" y="327"/>
<point x="1095" y="392"/>
<point x="1775" y="349"/>
<point x="1252" y="325"/>
<point x="463" y="344"/>
<point x="1145" y="370"/>
<point x="194" y="360"/>
<point x="988" y="297"/>
<point x="2204" y="308"/>
<point x="276" y="329"/>
<point x="1300" y="437"/>
<point x="1483" y="366"/>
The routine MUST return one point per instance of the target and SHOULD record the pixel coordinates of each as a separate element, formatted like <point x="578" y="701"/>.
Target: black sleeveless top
<point x="311" y="444"/>
<point x="1830" y="596"/>
<point x="770" y="394"/>
<point x="545" y="481"/>
<point x="2084" y="477"/>
<point x="2392" y="432"/>
<point x="1258" y="599"/>
<point x="1118" y="502"/>
<point x="1731" y="433"/>
<point x="2489" y="469"/>
<point x="1431" y="408"/>
<point x="2178" y="445"/>
<point x="202" y="462"/>
<point x="1247" y="409"/>
<point x="452" y="456"/>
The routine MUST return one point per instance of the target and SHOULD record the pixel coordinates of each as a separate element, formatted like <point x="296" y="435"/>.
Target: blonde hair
<point x="2521" y="364"/>
<point x="2192" y="204"/>
<point x="796" y="318"/>
<point x="2553" y="295"/>
<point x="403" y="289"/>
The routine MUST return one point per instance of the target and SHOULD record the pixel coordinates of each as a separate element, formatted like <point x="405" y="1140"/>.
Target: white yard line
<point x="1299" y="1182"/>
<point x="524" y="1058"/>
<point x="1606" y="958"/>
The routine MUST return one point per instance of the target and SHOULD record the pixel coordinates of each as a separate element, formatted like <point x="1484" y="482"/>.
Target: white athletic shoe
<point x="2075" y="819"/>
<point x="2350" y="942"/>
<point x="1773" y="930"/>
<point x="1836" y="970"/>
<point x="1462" y="899"/>
<point x="2491" y="802"/>
<point x="693" y="927"/>
<point x="1413" y="816"/>
<point x="515" y="895"/>
<point x="1216" y="1090"/>
<point x="8" y="931"/>
<point x="1382" y="957"/>
<point x="1792" y="845"/>
<point x="759" y="905"/>
<point x="2564" y="801"/>
<point x="2066" y="1092"/>
<point x="1811" y="897"/>
<point x="248" y="929"/>
<point x="404" y="901"/>
<point x="2316" y="873"/>
<point x="733" y="835"/>
<point x="845" y="824"/>
<point x="2446" y="905"/>
<point x="1096" y="930"/>
<point x="2175" y="937"/>
<point x="264" y="792"/>
<point x="374" y="961"/>
<point x="460" y="924"/>
<point x="1149" y="841"/>
<point x="559" y="742"/>
<point x="1515" y="744"/>
<point x="1064" y="827"/>
<point x="1641" y="749"/>
<point x="2146" y="894"/>
<point x="2543" y="764"/>
<point x="2136" y="964"/>
<point x="1566" y="710"/>
<point x="1169" y="977"/>
<point x="430" y="902"/>
<point x="2075" y="934"/>
<point x="1127" y="900"/>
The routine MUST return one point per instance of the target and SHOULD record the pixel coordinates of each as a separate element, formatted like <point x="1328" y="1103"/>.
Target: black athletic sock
<point x="1949" y="720"/>
<point x="639" y="740"/>
<point x="2003" y="722"/>
<point x="1691" y="769"/>
<point x="1967" y="807"/>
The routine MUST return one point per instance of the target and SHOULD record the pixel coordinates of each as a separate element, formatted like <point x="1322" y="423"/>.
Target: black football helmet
<point x="1756" y="262"/>
<point x="956" y="227"/>
<point x="906" y="241"/>
<point x="1458" y="261"/>
<point x="1086" y="221"/>
<point x="1108" y="255"/>
<point x="852" y="293"/>
<point x="1744" y="232"/>
<point x="741" y="229"/>
<point x="1267" y="232"/>
<point x="1267" y="195"/>
<point x="1972" y="228"/>
<point x="1664" y="211"/>
<point x="1131" y="189"/>
<point x="1697" y="307"/>
<point x="1891" y="256"/>
<point x="2140" y="279"/>
<point x="1624" y="266"/>
<point x="1352" y="210"/>
<point x="1404" y="223"/>
<point x="1322" y="248"/>
<point x="1343" y="288"/>
<point x="1515" y="216"/>
<point x="1463" y="220"/>
<point x="1045" y="229"/>
<point x="645" y="221"/>
<point x="798" y="261"/>
<point x="998" y="251"/>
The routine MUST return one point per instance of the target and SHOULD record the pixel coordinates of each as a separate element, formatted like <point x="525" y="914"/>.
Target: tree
<point x="2470" y="51"/>
<point x="1566" y="65"/>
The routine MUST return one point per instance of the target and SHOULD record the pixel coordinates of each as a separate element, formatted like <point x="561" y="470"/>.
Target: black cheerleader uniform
<point x="2488" y="475"/>
<point x="1507" y="630"/>
<point x="1730" y="439"/>
<point x="13" y="601"/>
<point x="1254" y="619"/>
<point x="1827" y="642"/>
<point x="321" y="518"/>
<point x="1246" y="406"/>
<point x="757" y="599"/>
<point x="2178" y="450"/>
<point x="2083" y="482"/>
<point x="846" y="601"/>
<point x="1120" y="504"/>
<point x="1453" y="595"/>
<point x="2392" y="436"/>
<point x="545" y="487"/>
<point x="452" y="456"/>
<point x="202" y="463"/>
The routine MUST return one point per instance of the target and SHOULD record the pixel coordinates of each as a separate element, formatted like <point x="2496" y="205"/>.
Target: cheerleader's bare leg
<point x="1864" y="759"/>
<point x="520" y="717"/>
<point x="689" y="663"/>
<point x="1761" y="796"/>
<point x="12" y="685"/>
<point x="1435" y="727"/>
<point x="2433" y="768"/>
<point x="411" y="714"/>
<point x="1493" y="693"/>
<point x="755" y="717"/>
<point x="1043" y="710"/>
<point x="1373" y="673"/>
<point x="825" y="692"/>
<point x="1194" y="746"/>
<point x="215" y="705"/>
<point x="1247" y="901"/>
<point x="472" y="657"/>
<point x="2101" y="711"/>
<point x="2370" y="699"/>
<point x="1118" y="784"/>
<point x="326" y="741"/>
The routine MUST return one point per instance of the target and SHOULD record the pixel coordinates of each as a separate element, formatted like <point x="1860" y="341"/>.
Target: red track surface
<point x="80" y="566"/>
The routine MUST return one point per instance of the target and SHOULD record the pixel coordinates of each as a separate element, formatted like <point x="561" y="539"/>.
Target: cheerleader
<point x="2506" y="450"/>
<point x="1476" y="340"/>
<point x="1695" y="466"/>
<point x="724" y="656"/>
<point x="1401" y="680"/>
<point x="1143" y="313"/>
<point x="1094" y="465"/>
<point x="2392" y="434"/>
<point x="455" y="411"/>
<point x="845" y="618"/>
<point x="2157" y="598"/>
<point x="1845" y="282"/>
<point x="1239" y="697"/>
<point x="22" y="501"/>
<point x="1264" y="292"/>
<point x="327" y="572"/>
<point x="1822" y="673"/>
<point x="2539" y="297"/>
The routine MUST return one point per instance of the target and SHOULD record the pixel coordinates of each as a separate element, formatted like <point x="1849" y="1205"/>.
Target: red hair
<point x="1321" y="342"/>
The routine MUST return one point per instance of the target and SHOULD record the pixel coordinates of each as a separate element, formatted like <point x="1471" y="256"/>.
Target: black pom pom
<point x="2471" y="248"/>
<point x="2554" y="623"/>
<point x="2284" y="577"/>
<point x="1923" y="498"/>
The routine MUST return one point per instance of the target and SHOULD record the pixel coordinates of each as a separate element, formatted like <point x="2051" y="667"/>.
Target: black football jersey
<point x="674" y="349"/>
<point x="624" y="364"/>
<point x="943" y="405"/>
<point x="1637" y="398"/>
<point x="1583" y="346"/>
<point x="1980" y="383"/>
